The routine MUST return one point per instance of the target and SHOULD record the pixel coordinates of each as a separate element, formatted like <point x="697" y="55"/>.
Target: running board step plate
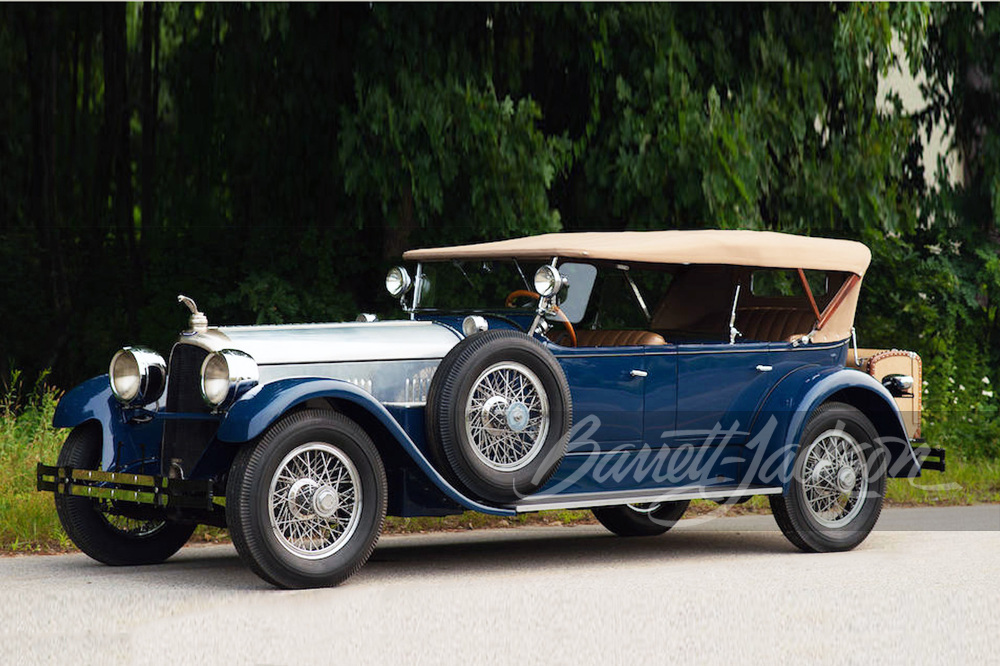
<point x="618" y="497"/>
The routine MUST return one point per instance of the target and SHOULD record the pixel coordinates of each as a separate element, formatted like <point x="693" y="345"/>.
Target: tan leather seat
<point x="587" y="338"/>
<point x="774" y="324"/>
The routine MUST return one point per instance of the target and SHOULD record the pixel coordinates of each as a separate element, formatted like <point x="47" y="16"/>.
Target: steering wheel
<point x="518" y="293"/>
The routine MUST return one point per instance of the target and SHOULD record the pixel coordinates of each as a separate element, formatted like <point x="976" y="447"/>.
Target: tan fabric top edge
<point x="767" y="249"/>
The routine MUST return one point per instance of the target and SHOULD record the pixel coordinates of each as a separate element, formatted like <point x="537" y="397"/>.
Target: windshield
<point x="500" y="286"/>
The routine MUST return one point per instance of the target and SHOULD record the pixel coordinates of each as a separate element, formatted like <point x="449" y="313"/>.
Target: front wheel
<point x="95" y="526"/>
<point x="838" y="483"/>
<point x="305" y="503"/>
<point x="649" y="519"/>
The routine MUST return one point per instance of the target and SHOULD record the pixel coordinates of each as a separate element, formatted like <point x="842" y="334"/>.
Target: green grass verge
<point x="28" y="521"/>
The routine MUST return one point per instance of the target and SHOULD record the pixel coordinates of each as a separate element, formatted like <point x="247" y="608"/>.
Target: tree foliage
<point x="271" y="160"/>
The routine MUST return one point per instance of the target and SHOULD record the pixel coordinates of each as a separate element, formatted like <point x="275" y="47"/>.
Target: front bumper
<point x="135" y="489"/>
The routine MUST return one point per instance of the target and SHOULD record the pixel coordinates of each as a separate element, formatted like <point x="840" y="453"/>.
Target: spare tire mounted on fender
<point x="498" y="415"/>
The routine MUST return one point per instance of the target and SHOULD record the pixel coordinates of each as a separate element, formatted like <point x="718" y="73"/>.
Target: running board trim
<point x="589" y="500"/>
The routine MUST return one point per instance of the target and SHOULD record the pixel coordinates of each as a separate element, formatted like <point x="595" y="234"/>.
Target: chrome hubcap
<point x="845" y="479"/>
<point x="326" y="500"/>
<point x="517" y="417"/>
<point x="834" y="478"/>
<point x="315" y="500"/>
<point x="507" y="416"/>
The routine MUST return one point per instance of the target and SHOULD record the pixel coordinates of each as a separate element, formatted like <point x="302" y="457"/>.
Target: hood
<point x="326" y="343"/>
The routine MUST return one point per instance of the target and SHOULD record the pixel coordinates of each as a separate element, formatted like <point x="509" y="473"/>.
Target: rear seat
<point x="774" y="324"/>
<point x="613" y="338"/>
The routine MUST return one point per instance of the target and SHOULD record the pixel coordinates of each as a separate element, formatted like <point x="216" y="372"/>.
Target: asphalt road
<point x="924" y="588"/>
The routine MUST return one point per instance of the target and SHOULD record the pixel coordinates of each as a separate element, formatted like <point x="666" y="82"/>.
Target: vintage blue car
<point x="624" y="372"/>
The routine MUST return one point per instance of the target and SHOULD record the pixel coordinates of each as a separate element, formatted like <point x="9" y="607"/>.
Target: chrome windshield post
<point x="417" y="284"/>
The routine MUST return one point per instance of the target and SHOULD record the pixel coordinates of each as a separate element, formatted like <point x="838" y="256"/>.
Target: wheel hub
<point x="495" y="412"/>
<point x="846" y="479"/>
<point x="821" y="472"/>
<point x="300" y="497"/>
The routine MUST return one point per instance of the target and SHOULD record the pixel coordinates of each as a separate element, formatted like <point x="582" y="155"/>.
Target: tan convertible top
<point x="766" y="249"/>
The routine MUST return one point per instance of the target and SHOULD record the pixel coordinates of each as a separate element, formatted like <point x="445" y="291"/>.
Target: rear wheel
<point x="95" y="527"/>
<point x="649" y="519"/>
<point x="305" y="503"/>
<point x="835" y="495"/>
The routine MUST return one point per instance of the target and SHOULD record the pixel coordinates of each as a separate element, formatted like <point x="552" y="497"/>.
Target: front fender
<point x="260" y="407"/>
<point x="778" y="427"/>
<point x="94" y="401"/>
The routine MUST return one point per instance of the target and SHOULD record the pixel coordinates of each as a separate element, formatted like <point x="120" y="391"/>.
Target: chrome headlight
<point x="137" y="375"/>
<point x="474" y="324"/>
<point x="548" y="281"/>
<point x="397" y="282"/>
<point x="225" y="374"/>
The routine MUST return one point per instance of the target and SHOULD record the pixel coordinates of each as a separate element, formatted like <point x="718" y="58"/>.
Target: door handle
<point x="638" y="373"/>
<point x="765" y="368"/>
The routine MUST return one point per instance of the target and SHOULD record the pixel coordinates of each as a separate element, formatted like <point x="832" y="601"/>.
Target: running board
<point x="616" y="497"/>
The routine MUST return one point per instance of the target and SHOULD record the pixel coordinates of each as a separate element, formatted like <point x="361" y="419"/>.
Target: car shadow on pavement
<point x="425" y="556"/>
<point x="495" y="552"/>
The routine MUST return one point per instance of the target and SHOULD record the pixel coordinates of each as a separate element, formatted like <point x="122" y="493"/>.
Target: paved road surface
<point x="724" y="591"/>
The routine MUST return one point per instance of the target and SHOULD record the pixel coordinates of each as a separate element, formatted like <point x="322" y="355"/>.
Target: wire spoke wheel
<point x="835" y="493"/>
<point x="305" y="501"/>
<point x="834" y="478"/>
<point x="498" y="416"/>
<point x="314" y="502"/>
<point x="507" y="416"/>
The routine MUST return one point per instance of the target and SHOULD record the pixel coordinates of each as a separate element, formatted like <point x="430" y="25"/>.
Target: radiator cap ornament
<point x="198" y="322"/>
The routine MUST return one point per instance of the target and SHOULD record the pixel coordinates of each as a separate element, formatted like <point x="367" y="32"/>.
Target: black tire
<point x="315" y="445"/>
<point x="631" y="520"/>
<point x="831" y="512"/>
<point x="103" y="536"/>
<point x="490" y="471"/>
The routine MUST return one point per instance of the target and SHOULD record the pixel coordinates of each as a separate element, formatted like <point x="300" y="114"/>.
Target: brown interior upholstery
<point x="588" y="338"/>
<point x="774" y="324"/>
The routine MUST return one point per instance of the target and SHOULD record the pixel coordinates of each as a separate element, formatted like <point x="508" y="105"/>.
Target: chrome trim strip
<point x="654" y="350"/>
<point x="434" y="359"/>
<point x="404" y="404"/>
<point x="613" y="498"/>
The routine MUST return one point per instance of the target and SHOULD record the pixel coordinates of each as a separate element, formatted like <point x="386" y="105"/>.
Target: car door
<point x="719" y="388"/>
<point x="606" y="394"/>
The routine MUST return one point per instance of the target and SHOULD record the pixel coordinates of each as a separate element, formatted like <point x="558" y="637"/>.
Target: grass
<point x="28" y="521"/>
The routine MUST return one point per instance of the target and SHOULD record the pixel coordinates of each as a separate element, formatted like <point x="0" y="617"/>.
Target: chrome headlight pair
<point x="137" y="375"/>
<point x="225" y="375"/>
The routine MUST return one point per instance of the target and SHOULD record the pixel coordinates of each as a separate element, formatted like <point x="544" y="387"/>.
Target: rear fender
<point x="778" y="427"/>
<point x="263" y="405"/>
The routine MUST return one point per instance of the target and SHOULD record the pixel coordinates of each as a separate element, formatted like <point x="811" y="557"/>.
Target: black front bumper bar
<point x="157" y="491"/>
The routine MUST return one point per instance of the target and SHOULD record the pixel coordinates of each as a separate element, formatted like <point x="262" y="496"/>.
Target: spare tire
<point x="498" y="415"/>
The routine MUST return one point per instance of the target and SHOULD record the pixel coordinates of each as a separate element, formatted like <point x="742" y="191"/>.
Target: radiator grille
<point x="185" y="440"/>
